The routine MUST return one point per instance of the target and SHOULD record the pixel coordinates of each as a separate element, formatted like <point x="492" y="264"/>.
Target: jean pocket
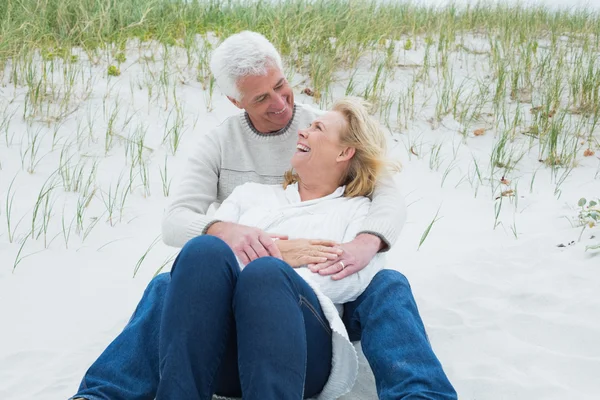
<point x="304" y="302"/>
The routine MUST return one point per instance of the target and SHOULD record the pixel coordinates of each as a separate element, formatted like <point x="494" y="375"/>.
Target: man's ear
<point x="235" y="102"/>
<point x="346" y="154"/>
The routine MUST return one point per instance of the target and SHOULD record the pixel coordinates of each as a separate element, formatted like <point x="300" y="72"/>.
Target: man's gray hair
<point x="242" y="54"/>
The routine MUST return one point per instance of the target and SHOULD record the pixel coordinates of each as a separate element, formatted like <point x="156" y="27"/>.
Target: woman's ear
<point x="346" y="154"/>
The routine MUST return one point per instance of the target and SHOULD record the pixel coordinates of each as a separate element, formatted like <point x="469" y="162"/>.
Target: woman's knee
<point x="206" y="245"/>
<point x="263" y="273"/>
<point x="201" y="251"/>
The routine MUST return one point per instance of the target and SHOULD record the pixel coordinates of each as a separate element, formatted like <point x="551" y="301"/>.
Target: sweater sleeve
<point x="186" y="218"/>
<point x="387" y="214"/>
<point x="352" y="286"/>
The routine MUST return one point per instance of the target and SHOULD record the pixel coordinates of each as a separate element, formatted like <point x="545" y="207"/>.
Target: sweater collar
<point x="293" y="195"/>
<point x="270" y="134"/>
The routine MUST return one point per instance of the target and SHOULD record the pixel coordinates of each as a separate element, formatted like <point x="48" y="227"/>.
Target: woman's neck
<point x="309" y="191"/>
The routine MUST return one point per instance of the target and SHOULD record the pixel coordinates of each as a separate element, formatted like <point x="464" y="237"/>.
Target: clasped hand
<point x="325" y="257"/>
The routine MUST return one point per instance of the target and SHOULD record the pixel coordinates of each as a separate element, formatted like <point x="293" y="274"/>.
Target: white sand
<point x="510" y="318"/>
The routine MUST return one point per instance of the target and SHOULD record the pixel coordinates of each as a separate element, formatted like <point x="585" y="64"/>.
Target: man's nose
<point x="279" y="102"/>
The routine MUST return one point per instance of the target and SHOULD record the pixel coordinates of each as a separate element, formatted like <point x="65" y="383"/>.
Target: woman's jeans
<point x="385" y="318"/>
<point x="260" y="332"/>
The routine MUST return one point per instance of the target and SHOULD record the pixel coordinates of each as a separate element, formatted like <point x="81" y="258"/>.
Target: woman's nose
<point x="303" y="133"/>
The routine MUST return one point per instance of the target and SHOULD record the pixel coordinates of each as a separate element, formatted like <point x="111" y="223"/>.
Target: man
<point x="256" y="145"/>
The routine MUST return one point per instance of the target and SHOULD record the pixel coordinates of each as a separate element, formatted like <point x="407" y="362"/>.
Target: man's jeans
<point x="385" y="318"/>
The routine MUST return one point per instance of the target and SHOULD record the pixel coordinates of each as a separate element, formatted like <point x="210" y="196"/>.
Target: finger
<point x="270" y="245"/>
<point x="330" y="252"/>
<point x="250" y="252"/>
<point x="332" y="269"/>
<point x="344" y="273"/>
<point x="312" y="260"/>
<point x="241" y="254"/>
<point x="258" y="247"/>
<point x="278" y="236"/>
<point x="320" y="266"/>
<point x="322" y="242"/>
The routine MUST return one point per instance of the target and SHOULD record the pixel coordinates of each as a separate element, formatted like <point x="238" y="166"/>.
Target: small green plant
<point x="120" y="57"/>
<point x="113" y="71"/>
<point x="589" y="216"/>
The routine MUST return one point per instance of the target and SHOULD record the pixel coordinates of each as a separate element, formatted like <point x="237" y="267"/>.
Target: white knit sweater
<point x="333" y="217"/>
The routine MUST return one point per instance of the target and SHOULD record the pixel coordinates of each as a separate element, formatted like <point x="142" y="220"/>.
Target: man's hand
<point x="247" y="243"/>
<point x="298" y="252"/>
<point x="357" y="255"/>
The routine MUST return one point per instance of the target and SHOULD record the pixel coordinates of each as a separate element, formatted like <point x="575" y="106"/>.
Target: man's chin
<point x="281" y="119"/>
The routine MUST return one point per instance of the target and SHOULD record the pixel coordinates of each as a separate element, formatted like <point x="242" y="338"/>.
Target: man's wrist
<point x="373" y="241"/>
<point x="214" y="228"/>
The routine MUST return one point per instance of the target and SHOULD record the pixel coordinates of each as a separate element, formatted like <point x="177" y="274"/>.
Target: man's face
<point x="268" y="100"/>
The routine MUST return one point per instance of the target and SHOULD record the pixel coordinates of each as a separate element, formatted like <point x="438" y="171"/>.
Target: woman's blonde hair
<point x="365" y="135"/>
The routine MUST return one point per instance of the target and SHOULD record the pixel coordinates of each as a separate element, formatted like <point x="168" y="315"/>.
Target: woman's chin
<point x="298" y="160"/>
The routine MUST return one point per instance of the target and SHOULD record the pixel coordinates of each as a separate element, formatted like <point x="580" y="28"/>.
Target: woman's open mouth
<point x="303" y="148"/>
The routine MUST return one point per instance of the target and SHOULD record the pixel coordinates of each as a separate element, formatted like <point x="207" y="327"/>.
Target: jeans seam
<point x="304" y="301"/>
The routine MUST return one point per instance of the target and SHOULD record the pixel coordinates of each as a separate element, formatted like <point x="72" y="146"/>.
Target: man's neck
<point x="267" y="130"/>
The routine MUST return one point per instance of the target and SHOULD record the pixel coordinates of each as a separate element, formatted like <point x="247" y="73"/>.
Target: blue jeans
<point x="260" y="332"/>
<point x="385" y="318"/>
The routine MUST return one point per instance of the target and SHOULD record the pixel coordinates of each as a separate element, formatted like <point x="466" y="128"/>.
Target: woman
<point x="270" y="330"/>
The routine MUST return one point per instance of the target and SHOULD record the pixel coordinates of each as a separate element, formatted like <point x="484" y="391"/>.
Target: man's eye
<point x="261" y="100"/>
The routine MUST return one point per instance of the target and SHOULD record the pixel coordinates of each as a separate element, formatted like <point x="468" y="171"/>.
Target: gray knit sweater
<point x="235" y="153"/>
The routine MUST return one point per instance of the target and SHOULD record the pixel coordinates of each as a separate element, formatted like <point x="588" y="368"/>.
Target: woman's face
<point x="318" y="151"/>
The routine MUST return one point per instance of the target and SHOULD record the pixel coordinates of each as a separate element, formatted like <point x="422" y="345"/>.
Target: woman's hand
<point x="299" y="252"/>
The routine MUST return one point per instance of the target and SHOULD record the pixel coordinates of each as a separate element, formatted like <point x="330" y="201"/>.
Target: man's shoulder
<point x="231" y="125"/>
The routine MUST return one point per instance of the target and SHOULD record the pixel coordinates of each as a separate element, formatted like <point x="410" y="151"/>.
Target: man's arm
<point x="186" y="218"/>
<point x="386" y="216"/>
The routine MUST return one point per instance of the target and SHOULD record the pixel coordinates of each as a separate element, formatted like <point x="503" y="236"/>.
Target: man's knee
<point x="389" y="280"/>
<point x="159" y="284"/>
